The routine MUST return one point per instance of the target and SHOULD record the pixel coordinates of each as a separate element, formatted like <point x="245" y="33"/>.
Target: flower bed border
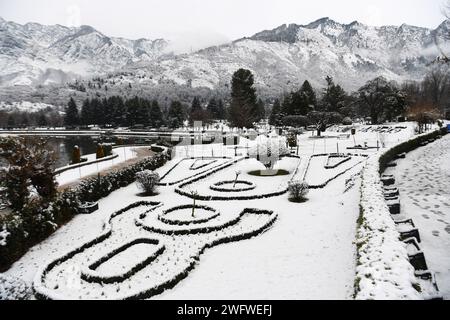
<point x="323" y="185"/>
<point x="223" y="198"/>
<point x="216" y="185"/>
<point x="201" y="166"/>
<point x="346" y="159"/>
<point x="183" y="222"/>
<point x="40" y="291"/>
<point x="45" y="294"/>
<point x="192" y="176"/>
<point x="88" y="274"/>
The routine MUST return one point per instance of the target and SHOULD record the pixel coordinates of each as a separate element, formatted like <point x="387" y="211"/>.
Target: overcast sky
<point x="214" y="21"/>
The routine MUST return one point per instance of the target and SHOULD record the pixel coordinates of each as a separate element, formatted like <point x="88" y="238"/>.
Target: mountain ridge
<point x="280" y="58"/>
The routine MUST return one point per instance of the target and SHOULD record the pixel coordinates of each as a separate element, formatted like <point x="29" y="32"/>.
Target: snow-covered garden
<point x="221" y="224"/>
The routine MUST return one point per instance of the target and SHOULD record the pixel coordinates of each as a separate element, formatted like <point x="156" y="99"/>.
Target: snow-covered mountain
<point x="286" y="56"/>
<point x="37" y="54"/>
<point x="281" y="58"/>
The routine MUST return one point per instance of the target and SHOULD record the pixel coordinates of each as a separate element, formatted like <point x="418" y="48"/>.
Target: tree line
<point x="116" y="111"/>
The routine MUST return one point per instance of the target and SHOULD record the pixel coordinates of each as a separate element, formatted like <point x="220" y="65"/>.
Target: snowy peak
<point x="30" y="52"/>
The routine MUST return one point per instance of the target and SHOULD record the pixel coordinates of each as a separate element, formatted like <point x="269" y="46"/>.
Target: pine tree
<point x="213" y="108"/>
<point x="196" y="112"/>
<point x="221" y="112"/>
<point x="175" y="115"/>
<point x="72" y="117"/>
<point x="243" y="109"/>
<point x="42" y="119"/>
<point x="334" y="96"/>
<point x="156" y="116"/>
<point x="86" y="118"/>
<point x="300" y="102"/>
<point x="276" y="115"/>
<point x="261" y="111"/>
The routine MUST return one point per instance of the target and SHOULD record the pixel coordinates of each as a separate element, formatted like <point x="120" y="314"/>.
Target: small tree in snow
<point x="268" y="150"/>
<point x="298" y="191"/>
<point x="238" y="172"/>
<point x="147" y="181"/>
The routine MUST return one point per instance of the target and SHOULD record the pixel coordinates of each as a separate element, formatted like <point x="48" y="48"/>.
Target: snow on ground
<point x="308" y="253"/>
<point x="423" y="179"/>
<point x="69" y="176"/>
<point x="25" y="106"/>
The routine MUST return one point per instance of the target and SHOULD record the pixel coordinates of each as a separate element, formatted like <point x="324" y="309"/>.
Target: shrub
<point x="14" y="289"/>
<point x="100" y="152"/>
<point x="19" y="231"/>
<point x="76" y="155"/>
<point x="268" y="150"/>
<point x="347" y="121"/>
<point x="147" y="181"/>
<point x="298" y="191"/>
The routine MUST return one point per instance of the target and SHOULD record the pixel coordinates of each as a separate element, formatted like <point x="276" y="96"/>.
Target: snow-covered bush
<point x="147" y="181"/>
<point x="268" y="150"/>
<point x="14" y="289"/>
<point x="298" y="191"/>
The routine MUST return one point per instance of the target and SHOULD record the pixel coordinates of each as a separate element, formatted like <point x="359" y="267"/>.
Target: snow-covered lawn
<point x="423" y="179"/>
<point x="275" y="249"/>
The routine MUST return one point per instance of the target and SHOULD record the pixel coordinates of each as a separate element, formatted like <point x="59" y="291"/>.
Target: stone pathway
<point x="423" y="179"/>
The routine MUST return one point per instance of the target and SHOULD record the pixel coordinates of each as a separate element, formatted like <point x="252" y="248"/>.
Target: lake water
<point x="63" y="146"/>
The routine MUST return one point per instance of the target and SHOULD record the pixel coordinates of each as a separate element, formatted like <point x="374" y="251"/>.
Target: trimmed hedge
<point x="408" y="146"/>
<point x="93" y="189"/>
<point x="90" y="275"/>
<point x="106" y="233"/>
<point x="41" y="292"/>
<point x="24" y="232"/>
<point x="217" y="186"/>
<point x="176" y="222"/>
<point x="192" y="176"/>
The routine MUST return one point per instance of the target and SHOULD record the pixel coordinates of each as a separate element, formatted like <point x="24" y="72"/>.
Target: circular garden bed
<point x="233" y="186"/>
<point x="182" y="215"/>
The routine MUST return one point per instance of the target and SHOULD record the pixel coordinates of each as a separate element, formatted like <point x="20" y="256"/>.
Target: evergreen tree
<point x="334" y="96"/>
<point x="382" y="99"/>
<point x="310" y="96"/>
<point x="175" y="116"/>
<point x="42" y="119"/>
<point x="156" y="116"/>
<point x="243" y="109"/>
<point x="261" y="111"/>
<point x="86" y="113"/>
<point x="196" y="112"/>
<point x="300" y="102"/>
<point x="221" y="112"/>
<point x="72" y="117"/>
<point x="276" y="115"/>
<point x="213" y="108"/>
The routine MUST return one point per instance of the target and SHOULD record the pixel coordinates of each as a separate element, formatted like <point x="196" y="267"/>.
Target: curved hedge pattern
<point x="216" y="186"/>
<point x="90" y="275"/>
<point x="166" y="220"/>
<point x="235" y="233"/>
<point x="192" y="176"/>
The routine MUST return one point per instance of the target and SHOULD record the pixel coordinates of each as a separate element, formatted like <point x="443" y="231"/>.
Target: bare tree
<point x="436" y="85"/>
